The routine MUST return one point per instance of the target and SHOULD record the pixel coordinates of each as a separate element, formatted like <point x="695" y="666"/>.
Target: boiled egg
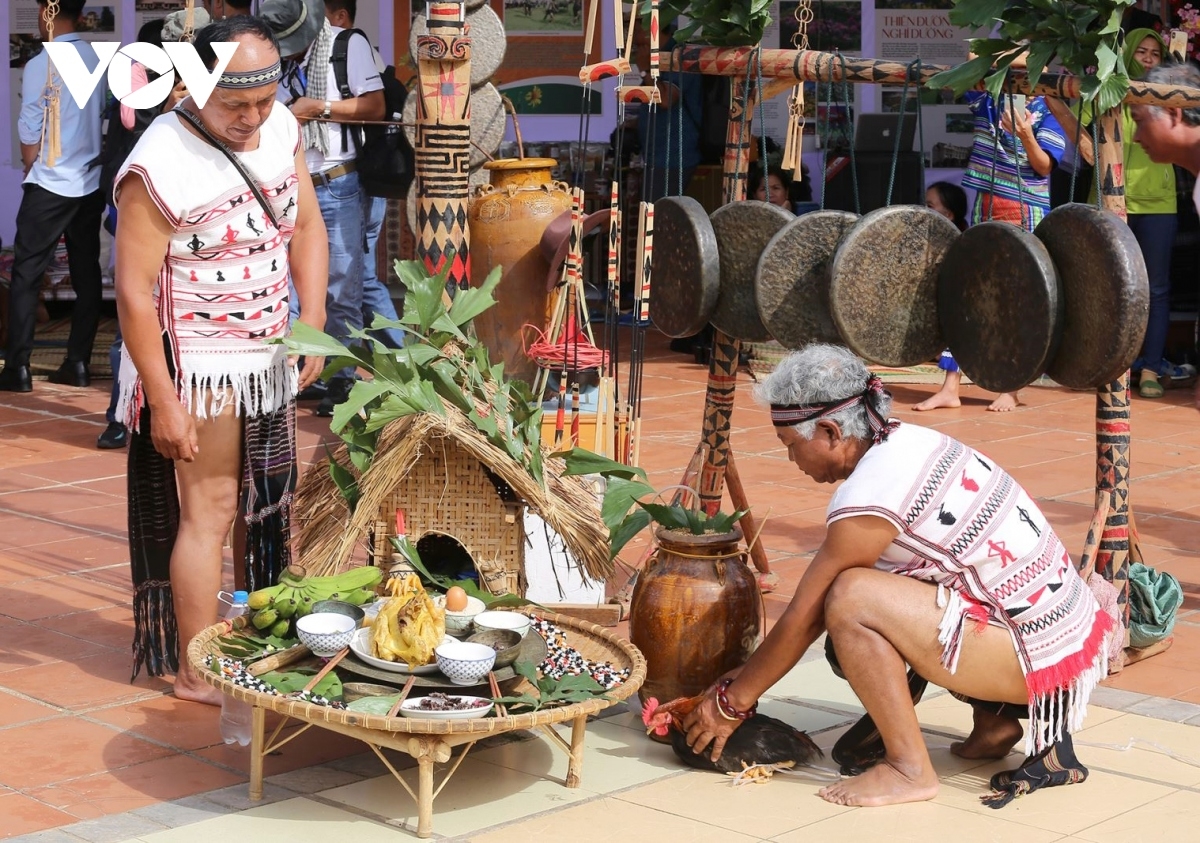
<point x="456" y="599"/>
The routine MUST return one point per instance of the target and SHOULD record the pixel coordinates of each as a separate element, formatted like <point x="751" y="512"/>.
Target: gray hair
<point x="1179" y="75"/>
<point x="819" y="373"/>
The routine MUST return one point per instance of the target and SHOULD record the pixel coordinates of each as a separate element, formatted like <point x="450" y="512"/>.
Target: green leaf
<point x="441" y="376"/>
<point x="962" y="78"/>
<point x="1106" y="60"/>
<point x="723" y="522"/>
<point x="362" y="393"/>
<point x="976" y="13"/>
<point x="346" y="482"/>
<point x="294" y="680"/>
<point x="583" y="461"/>
<point x="528" y="670"/>
<point x="619" y="498"/>
<point x="1039" y="56"/>
<point x="473" y="301"/>
<point x="620" y="536"/>
<point x="673" y="517"/>
<point x="308" y="341"/>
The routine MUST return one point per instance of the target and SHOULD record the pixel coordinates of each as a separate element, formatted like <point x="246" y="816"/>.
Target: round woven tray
<point x="592" y="641"/>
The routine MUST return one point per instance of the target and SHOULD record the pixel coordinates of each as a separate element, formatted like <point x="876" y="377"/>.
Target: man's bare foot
<point x="1005" y="402"/>
<point x="939" y="400"/>
<point x="992" y="736"/>
<point x="192" y="688"/>
<point x="883" y="784"/>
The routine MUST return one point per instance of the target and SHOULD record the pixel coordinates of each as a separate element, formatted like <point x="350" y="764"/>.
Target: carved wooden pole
<point x="443" y="148"/>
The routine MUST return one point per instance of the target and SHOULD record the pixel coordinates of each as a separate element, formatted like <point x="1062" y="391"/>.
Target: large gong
<point x="999" y="305"/>
<point x="792" y="278"/>
<point x="1106" y="294"/>
<point x="883" y="288"/>
<point x="743" y="230"/>
<point x="687" y="270"/>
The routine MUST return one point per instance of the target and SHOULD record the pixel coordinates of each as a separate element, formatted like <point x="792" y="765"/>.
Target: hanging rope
<point x="51" y="140"/>
<point x="850" y="133"/>
<point x="762" y="122"/>
<point x="1018" y="148"/>
<point x="793" y="147"/>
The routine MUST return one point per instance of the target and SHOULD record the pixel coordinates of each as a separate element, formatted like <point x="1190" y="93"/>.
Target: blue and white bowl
<point x="326" y="633"/>
<point x="463" y="663"/>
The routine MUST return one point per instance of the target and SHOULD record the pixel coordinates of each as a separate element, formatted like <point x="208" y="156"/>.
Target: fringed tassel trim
<point x="155" y="634"/>
<point x="950" y="630"/>
<point x="267" y="549"/>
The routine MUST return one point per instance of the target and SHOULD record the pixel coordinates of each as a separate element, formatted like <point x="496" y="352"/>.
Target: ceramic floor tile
<point x="40" y="754"/>
<point x="614" y="758"/>
<point x="168" y="720"/>
<point x="34" y="599"/>
<point x="1143" y="758"/>
<point x="785" y="803"/>
<point x="112" y="627"/>
<point x="1173" y="816"/>
<point x="282" y="822"/>
<point x="813" y="683"/>
<point x="136" y="786"/>
<point x="476" y="798"/>
<point x="32" y="644"/>
<point x="316" y="746"/>
<point x="800" y="716"/>
<point x="605" y="820"/>
<point x="14" y="710"/>
<point x="1065" y="810"/>
<point x="20" y="814"/>
<point x="916" y="823"/>
<point x="88" y="682"/>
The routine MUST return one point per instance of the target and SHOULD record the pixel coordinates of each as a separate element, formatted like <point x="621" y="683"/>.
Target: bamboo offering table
<point x="428" y="741"/>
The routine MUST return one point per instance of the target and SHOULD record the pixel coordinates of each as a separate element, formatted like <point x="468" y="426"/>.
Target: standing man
<point x="311" y="92"/>
<point x="1171" y="135"/>
<point x="377" y="299"/>
<point x="63" y="199"/>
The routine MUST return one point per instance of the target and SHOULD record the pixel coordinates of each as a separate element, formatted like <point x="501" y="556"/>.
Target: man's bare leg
<point x="208" y="495"/>
<point x="946" y="397"/>
<point x="879" y="621"/>
<point x="992" y="736"/>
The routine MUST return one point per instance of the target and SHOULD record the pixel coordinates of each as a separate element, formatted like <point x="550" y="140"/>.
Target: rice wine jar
<point x="507" y="220"/>
<point x="695" y="612"/>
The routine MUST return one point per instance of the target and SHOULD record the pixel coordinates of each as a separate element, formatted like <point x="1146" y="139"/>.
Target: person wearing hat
<point x="310" y="90"/>
<point x="216" y="223"/>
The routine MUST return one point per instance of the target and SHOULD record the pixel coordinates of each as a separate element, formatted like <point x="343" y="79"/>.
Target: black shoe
<point x="336" y="393"/>
<point x="16" y="379"/>
<point x="71" y="373"/>
<point x="114" y="436"/>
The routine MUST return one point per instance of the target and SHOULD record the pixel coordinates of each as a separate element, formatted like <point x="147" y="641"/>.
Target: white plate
<point x="408" y="708"/>
<point x="360" y="645"/>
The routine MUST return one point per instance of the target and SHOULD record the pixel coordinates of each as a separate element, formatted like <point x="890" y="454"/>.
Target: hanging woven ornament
<point x="189" y="21"/>
<point x="794" y="145"/>
<point x="51" y="142"/>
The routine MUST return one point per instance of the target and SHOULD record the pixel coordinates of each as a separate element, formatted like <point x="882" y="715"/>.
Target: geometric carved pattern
<point x="1112" y="476"/>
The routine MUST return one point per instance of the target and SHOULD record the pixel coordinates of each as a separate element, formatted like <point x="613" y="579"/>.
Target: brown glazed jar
<point x="695" y="612"/>
<point x="507" y="219"/>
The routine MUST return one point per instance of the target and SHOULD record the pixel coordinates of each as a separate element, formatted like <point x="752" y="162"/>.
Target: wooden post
<point x="443" y="144"/>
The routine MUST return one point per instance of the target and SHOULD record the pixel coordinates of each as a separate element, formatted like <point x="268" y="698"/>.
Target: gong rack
<point x="732" y="275"/>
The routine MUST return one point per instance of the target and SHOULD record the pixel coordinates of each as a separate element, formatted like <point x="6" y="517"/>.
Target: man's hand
<point x="1024" y="127"/>
<point x="310" y="371"/>
<point x="705" y="725"/>
<point x="306" y="108"/>
<point x="173" y="431"/>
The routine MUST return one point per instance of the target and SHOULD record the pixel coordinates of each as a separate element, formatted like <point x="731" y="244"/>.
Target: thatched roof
<point x="329" y="532"/>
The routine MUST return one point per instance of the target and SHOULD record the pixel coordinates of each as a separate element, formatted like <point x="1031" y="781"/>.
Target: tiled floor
<point x="87" y="755"/>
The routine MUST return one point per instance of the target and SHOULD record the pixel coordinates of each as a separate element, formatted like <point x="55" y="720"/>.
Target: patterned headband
<point x="251" y="78"/>
<point x="786" y="415"/>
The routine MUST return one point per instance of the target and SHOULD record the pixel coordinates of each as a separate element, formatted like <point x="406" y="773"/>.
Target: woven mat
<point x="50" y="346"/>
<point x="765" y="356"/>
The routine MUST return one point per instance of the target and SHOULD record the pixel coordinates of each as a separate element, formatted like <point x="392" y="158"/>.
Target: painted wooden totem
<point x="443" y="143"/>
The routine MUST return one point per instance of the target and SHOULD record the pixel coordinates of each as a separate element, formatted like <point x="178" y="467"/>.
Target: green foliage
<point x="1084" y="36"/>
<point x="444" y="361"/>
<point x="551" y="692"/>
<point x="623" y="511"/>
<point x="247" y="647"/>
<point x="721" y="23"/>
<point x="291" y="681"/>
<point x="490" y="601"/>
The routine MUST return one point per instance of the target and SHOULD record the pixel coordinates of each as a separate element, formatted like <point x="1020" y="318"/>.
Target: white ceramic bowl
<point x="411" y="708"/>
<point x="459" y="623"/>
<point x="503" y="620"/>
<point x="325" y="633"/>
<point x="360" y="645"/>
<point x="463" y="663"/>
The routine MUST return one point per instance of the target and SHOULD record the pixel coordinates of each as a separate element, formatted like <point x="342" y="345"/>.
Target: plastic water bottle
<point x="235" y="714"/>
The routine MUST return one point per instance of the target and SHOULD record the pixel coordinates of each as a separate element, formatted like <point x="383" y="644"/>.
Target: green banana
<point x="285" y="608"/>
<point x="360" y="596"/>
<point x="264" y="618"/>
<point x="303" y="607"/>
<point x="281" y="628"/>
<point x="262" y="598"/>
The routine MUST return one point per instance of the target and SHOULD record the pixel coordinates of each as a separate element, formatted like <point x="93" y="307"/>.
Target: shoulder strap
<point x="233" y="159"/>
<point x="337" y="58"/>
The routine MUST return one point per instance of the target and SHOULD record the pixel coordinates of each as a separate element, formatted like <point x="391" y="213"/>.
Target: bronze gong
<point x="686" y="270"/>
<point x="743" y="230"/>
<point x="1000" y="306"/>
<point x="792" y="279"/>
<point x="883" y="287"/>
<point x="1106" y="294"/>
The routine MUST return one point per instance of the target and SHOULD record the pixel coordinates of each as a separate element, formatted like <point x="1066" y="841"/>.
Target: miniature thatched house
<point x="449" y="480"/>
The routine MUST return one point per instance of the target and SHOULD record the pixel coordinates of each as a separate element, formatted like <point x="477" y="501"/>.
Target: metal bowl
<point x="506" y="643"/>
<point x="340" y="607"/>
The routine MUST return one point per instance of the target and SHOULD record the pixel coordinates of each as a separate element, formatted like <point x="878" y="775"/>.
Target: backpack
<point x="384" y="156"/>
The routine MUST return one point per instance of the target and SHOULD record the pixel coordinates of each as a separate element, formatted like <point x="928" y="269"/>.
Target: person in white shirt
<point x="311" y="92"/>
<point x="1172" y="135"/>
<point x="63" y="199"/>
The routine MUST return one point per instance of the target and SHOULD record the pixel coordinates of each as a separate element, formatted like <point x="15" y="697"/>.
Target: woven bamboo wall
<point x="448" y="491"/>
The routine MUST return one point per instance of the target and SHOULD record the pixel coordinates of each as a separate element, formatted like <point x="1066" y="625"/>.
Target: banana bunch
<point x="278" y="607"/>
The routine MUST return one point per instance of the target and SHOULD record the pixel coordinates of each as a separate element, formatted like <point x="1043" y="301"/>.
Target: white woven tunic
<point x="222" y="291"/>
<point x="967" y="526"/>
